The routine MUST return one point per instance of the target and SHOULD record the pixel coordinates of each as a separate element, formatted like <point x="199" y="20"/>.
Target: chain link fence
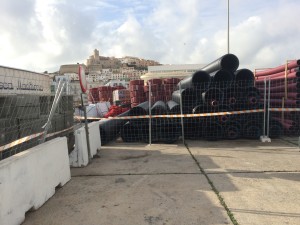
<point x="25" y="103"/>
<point x="209" y="110"/>
<point x="282" y="90"/>
<point x="203" y="106"/>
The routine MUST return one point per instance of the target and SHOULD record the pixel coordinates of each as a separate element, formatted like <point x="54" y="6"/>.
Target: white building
<point x="72" y="76"/>
<point x="114" y="83"/>
<point x="167" y="71"/>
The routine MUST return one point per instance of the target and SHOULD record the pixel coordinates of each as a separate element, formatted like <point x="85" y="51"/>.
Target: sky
<point x="41" y="35"/>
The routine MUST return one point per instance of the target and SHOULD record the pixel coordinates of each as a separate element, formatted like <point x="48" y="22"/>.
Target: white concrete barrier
<point x="79" y="156"/>
<point x="28" y="179"/>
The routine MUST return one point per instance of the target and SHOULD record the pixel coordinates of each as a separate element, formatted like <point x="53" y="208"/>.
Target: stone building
<point x="70" y="68"/>
<point x="138" y="63"/>
<point x="95" y="63"/>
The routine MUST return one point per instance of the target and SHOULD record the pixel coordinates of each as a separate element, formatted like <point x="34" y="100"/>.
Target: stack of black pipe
<point x="110" y="129"/>
<point x="217" y="87"/>
<point x="220" y="87"/>
<point x="137" y="130"/>
<point x="162" y="129"/>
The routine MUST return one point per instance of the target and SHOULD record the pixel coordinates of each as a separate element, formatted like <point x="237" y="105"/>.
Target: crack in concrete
<point x="133" y="174"/>
<point x="249" y="172"/>
<point x="134" y="156"/>
<point x="215" y="190"/>
<point x="292" y="142"/>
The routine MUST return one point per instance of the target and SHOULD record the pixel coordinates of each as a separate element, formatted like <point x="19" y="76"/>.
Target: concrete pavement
<point x="258" y="183"/>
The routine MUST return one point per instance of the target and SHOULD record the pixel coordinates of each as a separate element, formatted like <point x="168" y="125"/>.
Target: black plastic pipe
<point x="140" y="110"/>
<point x="199" y="80"/>
<point x="222" y="79"/>
<point x="213" y="97"/>
<point x="231" y="95"/>
<point x="159" y="108"/>
<point x="195" y="124"/>
<point x="244" y="78"/>
<point x="202" y="109"/>
<point x="168" y="132"/>
<point x="110" y="129"/>
<point x="212" y="131"/>
<point x="131" y="133"/>
<point x="174" y="107"/>
<point x="211" y="109"/>
<point x="192" y="128"/>
<point x="227" y="62"/>
<point x="275" y="129"/>
<point x="145" y="133"/>
<point x="232" y="130"/>
<point x="252" y="129"/>
<point x="189" y="98"/>
<point x="251" y="96"/>
<point x="222" y="119"/>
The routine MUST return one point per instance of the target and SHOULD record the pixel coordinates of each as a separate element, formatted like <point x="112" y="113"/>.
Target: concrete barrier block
<point x="28" y="179"/>
<point x="94" y="135"/>
<point x="79" y="156"/>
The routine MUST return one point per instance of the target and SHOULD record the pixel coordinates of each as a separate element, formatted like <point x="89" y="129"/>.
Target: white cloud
<point x="43" y="34"/>
<point x="269" y="39"/>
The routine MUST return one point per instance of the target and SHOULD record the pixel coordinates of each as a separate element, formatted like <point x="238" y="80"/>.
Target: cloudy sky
<point x="41" y="35"/>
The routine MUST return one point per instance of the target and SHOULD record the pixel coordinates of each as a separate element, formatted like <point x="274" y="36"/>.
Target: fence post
<point x="269" y="105"/>
<point x="264" y="138"/>
<point x="150" y="122"/>
<point x="84" y="103"/>
<point x="181" y="112"/>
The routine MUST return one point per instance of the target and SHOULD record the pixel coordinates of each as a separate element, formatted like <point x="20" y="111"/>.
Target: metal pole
<point x="228" y="26"/>
<point x="268" y="117"/>
<point x="181" y="112"/>
<point x="57" y="97"/>
<point x="265" y="138"/>
<point x="265" y="99"/>
<point x="86" y="129"/>
<point x="150" y="124"/>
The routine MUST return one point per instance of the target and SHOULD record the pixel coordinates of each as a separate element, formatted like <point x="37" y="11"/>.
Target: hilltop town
<point x="102" y="69"/>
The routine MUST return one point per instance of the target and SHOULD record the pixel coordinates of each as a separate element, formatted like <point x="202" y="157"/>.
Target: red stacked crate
<point x="121" y="96"/>
<point x="157" y="92"/>
<point x="120" y="87"/>
<point x="105" y="93"/>
<point x="169" y="85"/>
<point x="137" y="94"/>
<point x="93" y="96"/>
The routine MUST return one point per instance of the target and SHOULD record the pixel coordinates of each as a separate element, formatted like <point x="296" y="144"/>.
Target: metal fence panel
<point x="25" y="103"/>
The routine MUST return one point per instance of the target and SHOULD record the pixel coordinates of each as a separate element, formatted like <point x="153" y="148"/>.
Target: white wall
<point x="19" y="81"/>
<point x="28" y="179"/>
<point x="79" y="156"/>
